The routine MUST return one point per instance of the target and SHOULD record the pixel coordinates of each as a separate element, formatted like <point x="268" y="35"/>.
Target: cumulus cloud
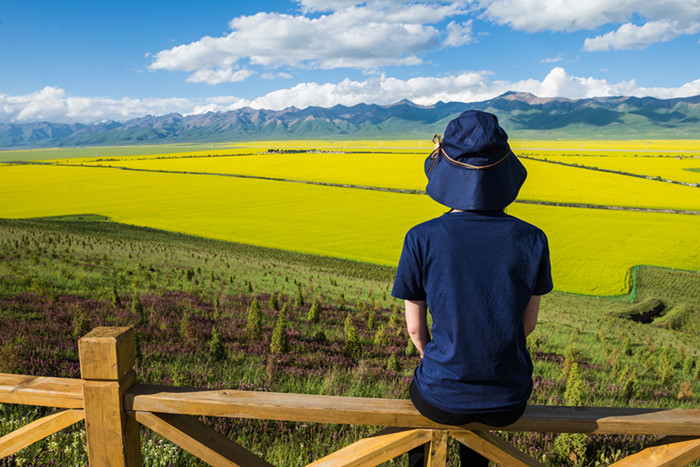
<point x="558" y="83"/>
<point x="663" y="21"/>
<point x="630" y="36"/>
<point x="365" y="35"/>
<point x="464" y="87"/>
<point x="53" y="104"/>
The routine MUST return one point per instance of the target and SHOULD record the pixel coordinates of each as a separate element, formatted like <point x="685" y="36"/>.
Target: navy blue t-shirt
<point x="477" y="272"/>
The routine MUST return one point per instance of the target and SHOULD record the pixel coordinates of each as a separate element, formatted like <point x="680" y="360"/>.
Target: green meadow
<point x="189" y="299"/>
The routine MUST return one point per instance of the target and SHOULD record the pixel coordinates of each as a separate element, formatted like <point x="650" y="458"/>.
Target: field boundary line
<point x="406" y="191"/>
<point x="615" y="172"/>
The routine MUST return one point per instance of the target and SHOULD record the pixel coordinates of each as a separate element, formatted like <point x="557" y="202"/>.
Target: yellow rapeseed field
<point x="680" y="168"/>
<point x="592" y="250"/>
<point x="631" y="146"/>
<point x="546" y="181"/>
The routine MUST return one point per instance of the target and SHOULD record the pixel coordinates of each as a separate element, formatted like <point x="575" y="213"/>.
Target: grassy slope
<point x="58" y="279"/>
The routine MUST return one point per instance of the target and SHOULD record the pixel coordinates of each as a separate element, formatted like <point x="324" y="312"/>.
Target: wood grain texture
<point x="66" y="393"/>
<point x="375" y="449"/>
<point x="493" y="447"/>
<point x="200" y="440"/>
<point x="107" y="353"/>
<point x="37" y="430"/>
<point x="437" y="453"/>
<point x="672" y="453"/>
<point x="401" y="413"/>
<point x="106" y="362"/>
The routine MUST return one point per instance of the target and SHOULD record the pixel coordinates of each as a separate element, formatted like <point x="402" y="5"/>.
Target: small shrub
<point x="253" y="328"/>
<point x="686" y="391"/>
<point x="299" y="298"/>
<point x="574" y="387"/>
<point x="314" y="312"/>
<point x="381" y="339"/>
<point x="688" y="365"/>
<point x="286" y="310"/>
<point x="116" y="301"/>
<point x="352" y="346"/>
<point x="666" y="373"/>
<point x="570" y="448"/>
<point x="393" y="364"/>
<point x="628" y="383"/>
<point x="216" y="346"/>
<point x="393" y="321"/>
<point x="280" y="340"/>
<point x="341" y="301"/>
<point x="273" y="304"/>
<point x="570" y="357"/>
<point x="371" y="318"/>
<point x="348" y="323"/>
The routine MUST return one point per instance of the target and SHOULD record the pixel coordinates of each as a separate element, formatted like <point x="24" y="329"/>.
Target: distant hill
<point x="523" y="115"/>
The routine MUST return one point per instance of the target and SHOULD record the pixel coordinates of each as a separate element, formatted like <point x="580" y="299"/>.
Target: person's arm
<point x="417" y="323"/>
<point x="530" y="315"/>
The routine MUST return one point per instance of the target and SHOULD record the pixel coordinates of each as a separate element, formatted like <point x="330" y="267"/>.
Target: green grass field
<point x="61" y="276"/>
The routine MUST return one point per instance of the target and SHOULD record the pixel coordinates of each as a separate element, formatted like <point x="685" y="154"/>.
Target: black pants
<point x="467" y="456"/>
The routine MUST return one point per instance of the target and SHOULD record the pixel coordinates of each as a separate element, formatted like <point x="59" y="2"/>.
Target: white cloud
<point x="556" y="59"/>
<point x="573" y="15"/>
<point x="276" y="75"/>
<point x="364" y="35"/>
<point x="663" y="20"/>
<point x="630" y="36"/>
<point x="53" y="104"/>
<point x="218" y="76"/>
<point x="326" y="5"/>
<point x="557" y="15"/>
<point x="458" y="34"/>
<point x="560" y="84"/>
<point x="464" y="87"/>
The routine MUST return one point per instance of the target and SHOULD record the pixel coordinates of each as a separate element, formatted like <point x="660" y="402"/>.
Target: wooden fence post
<point x="107" y="358"/>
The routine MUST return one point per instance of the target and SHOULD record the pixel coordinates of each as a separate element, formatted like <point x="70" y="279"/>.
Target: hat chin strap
<point x="437" y="139"/>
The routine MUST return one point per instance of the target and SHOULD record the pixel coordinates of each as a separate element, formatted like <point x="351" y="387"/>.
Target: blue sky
<point x="87" y="61"/>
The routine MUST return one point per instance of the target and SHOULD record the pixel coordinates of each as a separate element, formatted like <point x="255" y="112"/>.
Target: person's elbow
<point x="414" y="329"/>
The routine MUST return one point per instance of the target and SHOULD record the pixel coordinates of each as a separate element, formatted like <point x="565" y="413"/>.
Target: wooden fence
<point x="114" y="406"/>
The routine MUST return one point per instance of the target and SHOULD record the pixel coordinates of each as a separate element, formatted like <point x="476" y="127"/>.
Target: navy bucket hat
<point x="473" y="167"/>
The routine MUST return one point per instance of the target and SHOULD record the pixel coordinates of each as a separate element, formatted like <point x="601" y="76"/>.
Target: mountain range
<point x="523" y="115"/>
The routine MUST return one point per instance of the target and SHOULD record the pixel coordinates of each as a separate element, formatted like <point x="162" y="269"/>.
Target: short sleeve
<point x="544" y="282"/>
<point x="408" y="284"/>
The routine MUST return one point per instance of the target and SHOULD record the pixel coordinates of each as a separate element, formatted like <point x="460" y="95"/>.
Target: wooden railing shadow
<point x="114" y="406"/>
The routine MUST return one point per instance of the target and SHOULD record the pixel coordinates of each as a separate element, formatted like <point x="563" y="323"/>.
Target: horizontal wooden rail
<point x="401" y="413"/>
<point x="114" y="405"/>
<point x="66" y="393"/>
